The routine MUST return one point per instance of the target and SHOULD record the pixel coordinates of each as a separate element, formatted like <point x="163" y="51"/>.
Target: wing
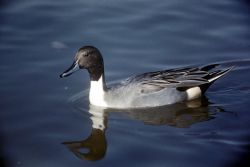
<point x="181" y="78"/>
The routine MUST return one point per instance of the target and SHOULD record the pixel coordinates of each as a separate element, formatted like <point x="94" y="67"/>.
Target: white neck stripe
<point x="97" y="93"/>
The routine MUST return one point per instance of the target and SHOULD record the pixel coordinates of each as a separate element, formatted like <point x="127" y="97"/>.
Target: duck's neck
<point x="97" y="92"/>
<point x="97" y="77"/>
<point x="98" y="85"/>
<point x="96" y="72"/>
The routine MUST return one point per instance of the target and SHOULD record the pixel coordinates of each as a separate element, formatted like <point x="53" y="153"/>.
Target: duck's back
<point x="163" y="87"/>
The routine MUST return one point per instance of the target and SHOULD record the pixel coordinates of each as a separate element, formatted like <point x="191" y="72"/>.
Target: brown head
<point x="89" y="58"/>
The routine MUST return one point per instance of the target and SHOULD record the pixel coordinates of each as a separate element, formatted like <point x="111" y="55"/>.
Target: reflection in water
<point x="180" y="115"/>
<point x="94" y="147"/>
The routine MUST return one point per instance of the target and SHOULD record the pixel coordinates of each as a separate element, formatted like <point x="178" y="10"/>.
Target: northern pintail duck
<point x="150" y="89"/>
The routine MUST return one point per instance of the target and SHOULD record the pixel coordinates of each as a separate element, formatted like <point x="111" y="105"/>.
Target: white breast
<point x="96" y="93"/>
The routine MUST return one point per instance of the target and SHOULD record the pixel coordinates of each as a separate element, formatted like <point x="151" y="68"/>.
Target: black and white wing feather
<point x="181" y="78"/>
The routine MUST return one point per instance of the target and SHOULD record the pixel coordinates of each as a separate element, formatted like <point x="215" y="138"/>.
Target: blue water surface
<point x="47" y="121"/>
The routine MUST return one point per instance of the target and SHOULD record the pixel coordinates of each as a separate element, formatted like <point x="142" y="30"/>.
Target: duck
<point x="150" y="89"/>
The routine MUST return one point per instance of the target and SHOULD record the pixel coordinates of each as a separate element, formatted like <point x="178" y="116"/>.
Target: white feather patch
<point x="96" y="93"/>
<point x="193" y="93"/>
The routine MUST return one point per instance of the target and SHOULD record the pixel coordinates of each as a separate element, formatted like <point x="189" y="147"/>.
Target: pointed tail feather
<point x="217" y="74"/>
<point x="213" y="76"/>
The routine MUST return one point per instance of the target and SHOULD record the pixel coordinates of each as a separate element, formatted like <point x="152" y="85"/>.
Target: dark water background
<point x="44" y="119"/>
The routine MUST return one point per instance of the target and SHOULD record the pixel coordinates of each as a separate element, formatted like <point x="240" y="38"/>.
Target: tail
<point x="213" y="76"/>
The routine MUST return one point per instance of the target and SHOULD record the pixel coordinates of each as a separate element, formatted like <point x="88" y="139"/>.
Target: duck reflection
<point x="95" y="146"/>
<point x="181" y="115"/>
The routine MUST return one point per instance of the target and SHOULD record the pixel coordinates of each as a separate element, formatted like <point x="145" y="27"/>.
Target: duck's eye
<point x="87" y="55"/>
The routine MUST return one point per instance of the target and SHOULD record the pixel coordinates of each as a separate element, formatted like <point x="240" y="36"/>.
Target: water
<point x="45" y="121"/>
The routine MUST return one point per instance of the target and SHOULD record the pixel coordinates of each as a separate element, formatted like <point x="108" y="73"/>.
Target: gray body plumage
<point x="161" y="87"/>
